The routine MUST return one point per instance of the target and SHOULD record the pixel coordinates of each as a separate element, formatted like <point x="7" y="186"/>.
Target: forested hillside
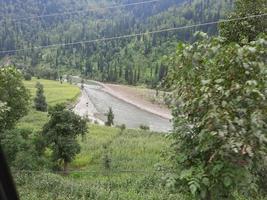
<point x="134" y="60"/>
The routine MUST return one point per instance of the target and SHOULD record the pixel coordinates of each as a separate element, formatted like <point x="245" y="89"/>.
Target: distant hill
<point x="136" y="60"/>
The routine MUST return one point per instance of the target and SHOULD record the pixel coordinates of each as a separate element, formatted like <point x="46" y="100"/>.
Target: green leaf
<point x="193" y="189"/>
<point x="227" y="181"/>
<point x="206" y="181"/>
<point x="186" y="173"/>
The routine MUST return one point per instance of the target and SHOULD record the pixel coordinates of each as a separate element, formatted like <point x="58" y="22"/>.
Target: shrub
<point x="27" y="160"/>
<point x="40" y="100"/>
<point x="110" y="118"/>
<point x="27" y="76"/>
<point x="15" y="141"/>
<point x="122" y="127"/>
<point x="220" y="116"/>
<point x="144" y="127"/>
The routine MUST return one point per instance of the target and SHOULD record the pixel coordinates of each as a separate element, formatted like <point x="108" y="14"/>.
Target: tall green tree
<point x="40" y="100"/>
<point x="220" y="117"/>
<point x="14" y="98"/>
<point x="245" y="29"/>
<point x="60" y="134"/>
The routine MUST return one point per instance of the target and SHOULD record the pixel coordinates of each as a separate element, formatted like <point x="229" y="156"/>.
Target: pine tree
<point x="40" y="101"/>
<point x="110" y="117"/>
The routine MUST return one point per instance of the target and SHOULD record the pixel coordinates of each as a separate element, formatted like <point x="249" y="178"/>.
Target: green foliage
<point x="60" y="134"/>
<point x="122" y="127"/>
<point x="144" y="127"/>
<point x="29" y="159"/>
<point x="69" y="79"/>
<point x="110" y="118"/>
<point x="247" y="29"/>
<point x="27" y="76"/>
<point x="68" y="93"/>
<point x="20" y="150"/>
<point x="39" y="100"/>
<point x="39" y="186"/>
<point x="131" y="173"/>
<point x="106" y="158"/>
<point x="220" y="116"/>
<point x="14" y="98"/>
<point x="46" y="73"/>
<point x="135" y="152"/>
<point x="14" y="141"/>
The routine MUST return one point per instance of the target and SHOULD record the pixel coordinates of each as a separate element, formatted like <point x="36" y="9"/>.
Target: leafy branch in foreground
<point x="220" y="116"/>
<point x="248" y="29"/>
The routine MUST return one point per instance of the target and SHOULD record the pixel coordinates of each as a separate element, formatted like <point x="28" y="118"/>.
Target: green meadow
<point x="55" y="93"/>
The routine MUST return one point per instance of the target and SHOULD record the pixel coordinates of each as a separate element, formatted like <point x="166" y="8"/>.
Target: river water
<point x="124" y="112"/>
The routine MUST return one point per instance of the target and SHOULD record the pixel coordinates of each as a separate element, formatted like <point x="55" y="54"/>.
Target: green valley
<point x="133" y="99"/>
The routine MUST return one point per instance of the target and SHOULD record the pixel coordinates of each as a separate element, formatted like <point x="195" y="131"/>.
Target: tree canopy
<point x="14" y="97"/>
<point x="245" y="29"/>
<point x="60" y="134"/>
<point x="220" y="115"/>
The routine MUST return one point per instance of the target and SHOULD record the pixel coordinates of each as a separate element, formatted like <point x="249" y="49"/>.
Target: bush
<point x="27" y="76"/>
<point x="21" y="150"/>
<point x="15" y="141"/>
<point x="122" y="127"/>
<point x="110" y="118"/>
<point x="27" y="160"/>
<point x="220" y="116"/>
<point x="144" y="127"/>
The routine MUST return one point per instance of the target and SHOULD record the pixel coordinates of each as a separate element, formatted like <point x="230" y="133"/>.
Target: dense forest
<point x="133" y="60"/>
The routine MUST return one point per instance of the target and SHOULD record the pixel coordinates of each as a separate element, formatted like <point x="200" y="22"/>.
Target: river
<point x="124" y="113"/>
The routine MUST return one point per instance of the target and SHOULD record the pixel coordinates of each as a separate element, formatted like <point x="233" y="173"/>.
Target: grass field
<point x="131" y="173"/>
<point x="55" y="93"/>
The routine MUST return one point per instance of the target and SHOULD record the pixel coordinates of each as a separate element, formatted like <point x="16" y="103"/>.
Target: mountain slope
<point x="134" y="60"/>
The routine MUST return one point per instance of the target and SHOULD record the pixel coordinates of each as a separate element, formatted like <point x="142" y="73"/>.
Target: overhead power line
<point x="134" y="35"/>
<point x="84" y="11"/>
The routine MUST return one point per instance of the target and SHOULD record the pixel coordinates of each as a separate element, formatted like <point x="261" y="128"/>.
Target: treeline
<point x="136" y="60"/>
